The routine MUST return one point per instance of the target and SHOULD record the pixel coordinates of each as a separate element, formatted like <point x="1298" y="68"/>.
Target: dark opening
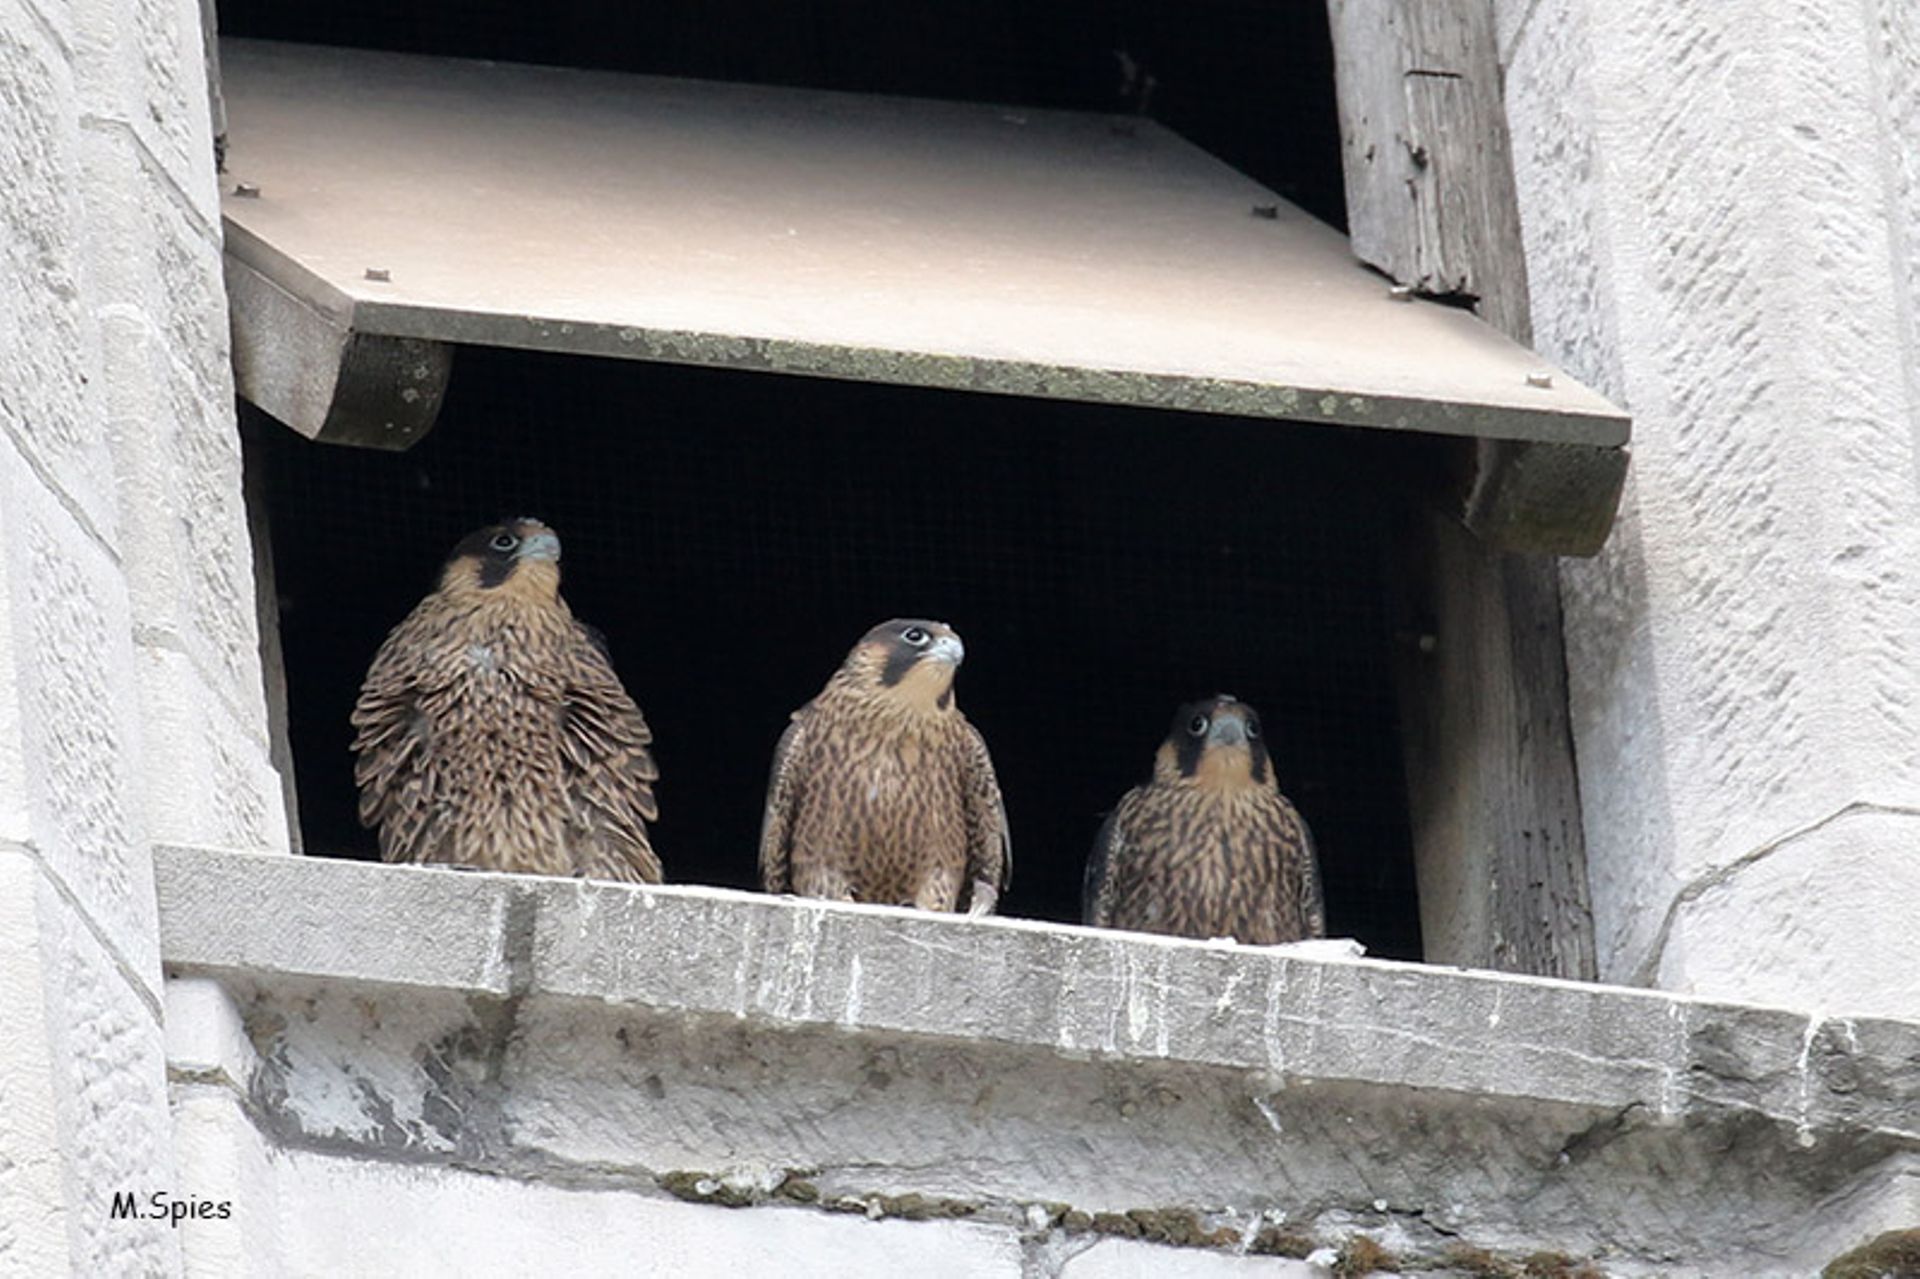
<point x="733" y="533"/>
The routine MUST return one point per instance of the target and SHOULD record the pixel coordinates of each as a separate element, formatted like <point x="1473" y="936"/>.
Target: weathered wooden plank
<point x="1499" y="852"/>
<point x="1431" y="203"/>
<point x="1430" y="197"/>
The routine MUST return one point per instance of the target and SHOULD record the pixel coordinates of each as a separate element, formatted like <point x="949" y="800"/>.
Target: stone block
<point x="335" y="920"/>
<point x="345" y="1217"/>
<point x="225" y="1164"/>
<point x="1549" y="101"/>
<point x="67" y="698"/>
<point x="205" y="1037"/>
<point x="403" y="1076"/>
<point x="110" y="1093"/>
<point x="210" y="783"/>
<point x="148" y="252"/>
<point x="1720" y="266"/>
<point x="56" y="16"/>
<point x="45" y="322"/>
<point x="33" y="1202"/>
<point x="140" y="64"/>
<point x="186" y="547"/>
<point x="1130" y="1259"/>
<point x="1809" y="924"/>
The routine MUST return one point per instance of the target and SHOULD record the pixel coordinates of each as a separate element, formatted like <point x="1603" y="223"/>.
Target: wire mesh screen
<point x="734" y="533"/>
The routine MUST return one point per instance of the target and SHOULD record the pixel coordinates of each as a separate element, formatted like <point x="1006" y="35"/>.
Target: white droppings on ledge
<point x="1803" y="1065"/>
<point x="1270" y="1027"/>
<point x="1268" y="1113"/>
<point x="1224" y="1003"/>
<point x="850" y="1015"/>
<point x="1322" y="948"/>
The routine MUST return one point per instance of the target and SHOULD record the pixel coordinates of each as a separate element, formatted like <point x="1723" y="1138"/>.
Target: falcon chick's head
<point x="518" y="557"/>
<point x="1215" y="743"/>
<point x="909" y="659"/>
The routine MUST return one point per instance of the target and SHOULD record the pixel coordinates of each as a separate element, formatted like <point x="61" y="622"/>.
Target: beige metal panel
<point x="1009" y="250"/>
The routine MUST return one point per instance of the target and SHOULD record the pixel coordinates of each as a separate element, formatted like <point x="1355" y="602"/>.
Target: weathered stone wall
<point x="1721" y="208"/>
<point x="401" y="1065"/>
<point x="130" y="697"/>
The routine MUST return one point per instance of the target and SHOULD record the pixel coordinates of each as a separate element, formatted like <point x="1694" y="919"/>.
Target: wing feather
<point x="1096" y="889"/>
<point x="392" y="732"/>
<point x="989" y="841"/>
<point x="608" y="769"/>
<point x="783" y="792"/>
<point x="1313" y="907"/>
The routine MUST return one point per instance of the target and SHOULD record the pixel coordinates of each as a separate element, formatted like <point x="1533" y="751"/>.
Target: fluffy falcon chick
<point x="492" y="731"/>
<point x="881" y="790"/>
<point x="1209" y="847"/>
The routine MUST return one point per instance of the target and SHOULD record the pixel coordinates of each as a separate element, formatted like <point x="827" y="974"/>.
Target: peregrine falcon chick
<point x="1208" y="847"/>
<point x="492" y="731"/>
<point x="881" y="790"/>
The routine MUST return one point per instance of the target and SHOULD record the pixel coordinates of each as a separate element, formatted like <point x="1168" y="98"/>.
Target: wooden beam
<point x="305" y="365"/>
<point x="1499" y="854"/>
<point x="1431" y="204"/>
<point x="1499" y="851"/>
<point x="1423" y="135"/>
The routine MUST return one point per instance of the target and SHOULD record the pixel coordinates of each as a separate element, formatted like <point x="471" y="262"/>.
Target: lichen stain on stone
<point x="1363" y="1255"/>
<point x="705" y="1188"/>
<point x="1479" y="1263"/>
<point x="1181" y="1227"/>
<point x="917" y="1207"/>
<point x="1893" y="1255"/>
<point x="799" y="1190"/>
<point x="1278" y="1241"/>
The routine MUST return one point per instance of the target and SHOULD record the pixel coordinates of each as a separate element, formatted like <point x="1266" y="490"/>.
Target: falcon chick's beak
<point x="540" y="546"/>
<point x="947" y="648"/>
<point x="1227" y="730"/>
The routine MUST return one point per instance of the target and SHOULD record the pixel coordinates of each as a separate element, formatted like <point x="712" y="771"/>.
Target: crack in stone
<point x="1706" y="881"/>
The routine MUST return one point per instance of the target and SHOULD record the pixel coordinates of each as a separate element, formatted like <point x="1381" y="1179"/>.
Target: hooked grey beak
<point x="1227" y="730"/>
<point x="541" y="546"/>
<point x="947" y="648"/>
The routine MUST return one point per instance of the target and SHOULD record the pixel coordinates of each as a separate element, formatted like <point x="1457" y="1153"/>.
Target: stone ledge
<point x="1076" y="992"/>
<point x="603" y="1037"/>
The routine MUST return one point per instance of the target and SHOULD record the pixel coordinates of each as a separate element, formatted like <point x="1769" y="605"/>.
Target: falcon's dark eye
<point x="916" y="636"/>
<point x="1253" y="729"/>
<point x="1197" y="726"/>
<point x="504" y="542"/>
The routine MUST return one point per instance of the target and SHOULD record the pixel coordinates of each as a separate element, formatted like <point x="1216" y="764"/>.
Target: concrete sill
<point x="594" y="1034"/>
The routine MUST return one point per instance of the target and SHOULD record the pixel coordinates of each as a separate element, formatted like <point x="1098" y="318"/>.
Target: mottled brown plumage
<point x="881" y="790"/>
<point x="492" y="731"/>
<point x="1208" y="847"/>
